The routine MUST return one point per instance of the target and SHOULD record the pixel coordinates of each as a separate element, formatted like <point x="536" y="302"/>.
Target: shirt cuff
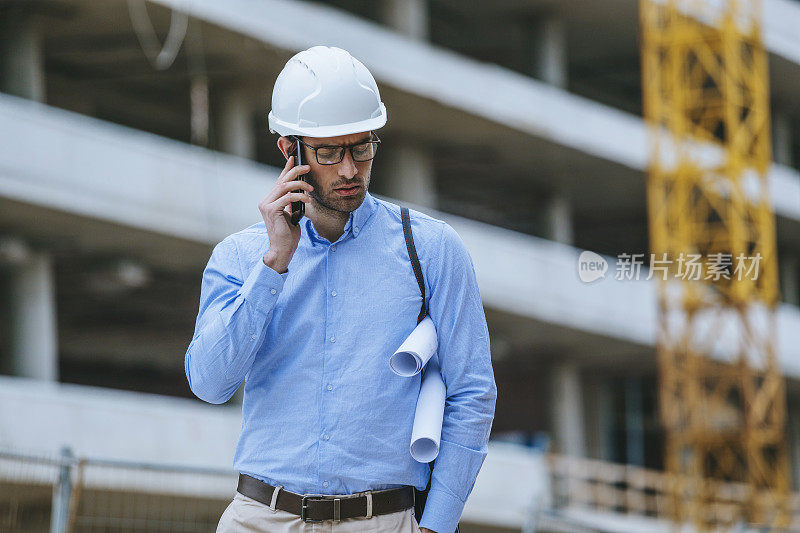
<point x="442" y="511"/>
<point x="262" y="287"/>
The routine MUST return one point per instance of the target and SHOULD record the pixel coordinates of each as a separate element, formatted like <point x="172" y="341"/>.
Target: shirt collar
<point x="355" y="222"/>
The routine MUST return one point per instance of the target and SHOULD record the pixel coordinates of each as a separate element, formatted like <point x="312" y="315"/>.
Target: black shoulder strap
<point x="412" y="253"/>
<point x="420" y="496"/>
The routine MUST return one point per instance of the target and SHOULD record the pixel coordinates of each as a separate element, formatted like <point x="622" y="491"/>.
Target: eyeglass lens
<point x="330" y="155"/>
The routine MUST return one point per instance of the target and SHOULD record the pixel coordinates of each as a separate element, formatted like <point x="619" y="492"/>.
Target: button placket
<point x="330" y="314"/>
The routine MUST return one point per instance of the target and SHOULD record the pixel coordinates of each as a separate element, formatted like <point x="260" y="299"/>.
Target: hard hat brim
<point x="285" y="128"/>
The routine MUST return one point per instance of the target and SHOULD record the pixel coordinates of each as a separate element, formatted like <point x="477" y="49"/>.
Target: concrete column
<point x="605" y="420"/>
<point x="409" y="17"/>
<point x="634" y="422"/>
<point x="34" y="338"/>
<point x="21" y="54"/>
<point x="198" y="104"/>
<point x="409" y="174"/>
<point x="782" y="138"/>
<point x="548" y="50"/>
<point x="559" y="219"/>
<point x="592" y="416"/>
<point x="789" y="274"/>
<point x="568" y="420"/>
<point x="235" y="125"/>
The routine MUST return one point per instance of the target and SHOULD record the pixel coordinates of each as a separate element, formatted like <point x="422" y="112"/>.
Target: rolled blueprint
<point x="427" y="430"/>
<point x="416" y="350"/>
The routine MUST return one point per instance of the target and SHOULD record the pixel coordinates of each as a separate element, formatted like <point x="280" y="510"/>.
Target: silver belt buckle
<point x="337" y="507"/>
<point x="304" y="507"/>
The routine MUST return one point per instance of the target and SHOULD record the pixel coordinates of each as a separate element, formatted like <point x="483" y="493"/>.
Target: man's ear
<point x="286" y="146"/>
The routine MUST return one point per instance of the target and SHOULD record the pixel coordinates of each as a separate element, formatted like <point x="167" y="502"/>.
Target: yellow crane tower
<point x="712" y="232"/>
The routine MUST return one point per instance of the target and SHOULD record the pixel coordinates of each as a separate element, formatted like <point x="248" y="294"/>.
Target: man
<point x="309" y="314"/>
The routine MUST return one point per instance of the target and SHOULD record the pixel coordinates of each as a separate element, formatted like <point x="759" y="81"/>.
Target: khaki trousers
<point x="246" y="515"/>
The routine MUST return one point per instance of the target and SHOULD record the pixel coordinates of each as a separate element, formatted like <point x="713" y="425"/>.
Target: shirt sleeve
<point x="231" y="323"/>
<point x="464" y="357"/>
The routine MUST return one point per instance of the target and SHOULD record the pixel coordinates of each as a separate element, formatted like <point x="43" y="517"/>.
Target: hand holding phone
<point x="283" y="235"/>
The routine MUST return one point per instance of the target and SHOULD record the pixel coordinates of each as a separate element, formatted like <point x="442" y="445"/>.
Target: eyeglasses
<point x="333" y="154"/>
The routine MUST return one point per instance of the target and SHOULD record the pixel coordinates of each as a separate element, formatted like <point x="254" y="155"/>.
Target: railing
<point x="64" y="494"/>
<point x="598" y="486"/>
<point x="26" y="492"/>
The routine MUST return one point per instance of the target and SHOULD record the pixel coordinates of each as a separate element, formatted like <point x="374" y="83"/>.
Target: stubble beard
<point x="331" y="201"/>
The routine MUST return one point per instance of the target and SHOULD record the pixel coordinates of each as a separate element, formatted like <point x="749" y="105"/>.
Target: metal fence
<point x="67" y="494"/>
<point x="604" y="488"/>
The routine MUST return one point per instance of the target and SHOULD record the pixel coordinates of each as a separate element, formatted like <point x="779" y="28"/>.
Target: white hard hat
<point x="325" y="92"/>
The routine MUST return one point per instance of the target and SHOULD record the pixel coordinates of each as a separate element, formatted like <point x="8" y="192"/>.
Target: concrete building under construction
<point x="134" y="139"/>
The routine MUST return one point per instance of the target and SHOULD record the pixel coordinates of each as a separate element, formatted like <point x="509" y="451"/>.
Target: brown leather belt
<point x="316" y="508"/>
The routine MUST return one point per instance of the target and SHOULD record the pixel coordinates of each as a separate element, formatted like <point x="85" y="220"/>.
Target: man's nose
<point x="347" y="167"/>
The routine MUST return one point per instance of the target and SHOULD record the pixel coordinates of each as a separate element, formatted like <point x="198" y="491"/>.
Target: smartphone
<point x="298" y="208"/>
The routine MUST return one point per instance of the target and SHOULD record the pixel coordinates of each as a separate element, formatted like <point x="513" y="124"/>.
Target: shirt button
<point x="333" y="293"/>
<point x="272" y="291"/>
<point x="333" y="339"/>
<point x="324" y="483"/>
<point x="333" y="247"/>
<point x="355" y="229"/>
<point x="254" y="336"/>
<point x="327" y="437"/>
<point x="329" y="387"/>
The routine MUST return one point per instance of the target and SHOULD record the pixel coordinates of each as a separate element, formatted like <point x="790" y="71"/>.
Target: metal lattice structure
<point x="712" y="232"/>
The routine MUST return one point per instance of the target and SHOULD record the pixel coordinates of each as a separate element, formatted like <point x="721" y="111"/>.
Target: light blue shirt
<point x="323" y="413"/>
